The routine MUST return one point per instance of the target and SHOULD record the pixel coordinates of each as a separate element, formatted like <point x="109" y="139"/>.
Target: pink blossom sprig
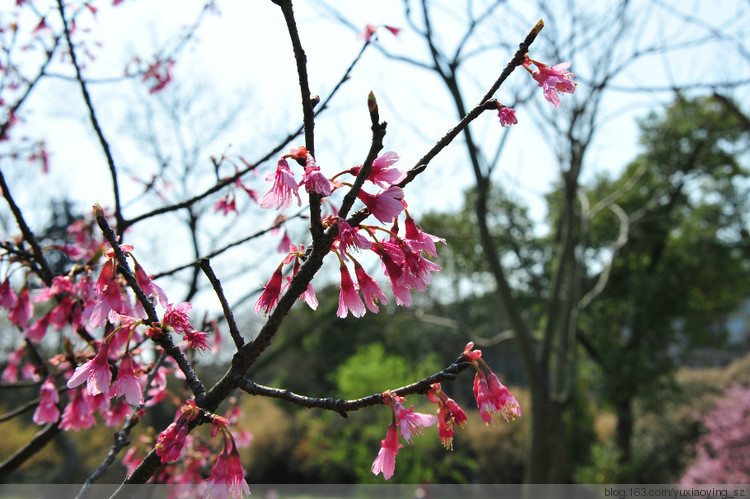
<point x="227" y="476"/>
<point x="172" y="439"/>
<point x="554" y="80"/>
<point x="448" y="414"/>
<point x="409" y="423"/>
<point x="493" y="398"/>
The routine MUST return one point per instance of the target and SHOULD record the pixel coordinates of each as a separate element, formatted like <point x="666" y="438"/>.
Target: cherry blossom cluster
<point x="402" y="256"/>
<point x="553" y="80"/>
<point x="227" y="478"/>
<point x="493" y="399"/>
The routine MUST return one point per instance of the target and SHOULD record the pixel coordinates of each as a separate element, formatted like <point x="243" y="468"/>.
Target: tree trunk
<point x="547" y="462"/>
<point x="624" y="430"/>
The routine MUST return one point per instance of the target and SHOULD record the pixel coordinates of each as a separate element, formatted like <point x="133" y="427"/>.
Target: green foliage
<point x="370" y="369"/>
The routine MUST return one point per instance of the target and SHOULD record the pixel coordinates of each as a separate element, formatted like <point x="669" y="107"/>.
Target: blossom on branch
<point x="349" y="299"/>
<point x="271" y="293"/>
<point x="172" y="439"/>
<point x="95" y="373"/>
<point x="493" y="398"/>
<point x="386" y="461"/>
<point x="371" y="292"/>
<point x="554" y="80"/>
<point x="386" y="205"/>
<point x="448" y="414"/>
<point x="507" y="116"/>
<point x="47" y="410"/>
<point x="410" y="423"/>
<point x="127" y="383"/>
<point x="284" y="185"/>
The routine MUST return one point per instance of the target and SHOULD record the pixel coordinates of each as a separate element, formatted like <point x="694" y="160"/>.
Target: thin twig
<point x="233" y="330"/>
<point x="484" y="104"/>
<point x="94" y="121"/>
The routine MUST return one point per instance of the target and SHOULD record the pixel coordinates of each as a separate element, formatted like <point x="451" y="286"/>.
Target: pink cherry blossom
<point x="79" y="413"/>
<point x="349" y="299"/>
<point x="370" y="30"/>
<point x="420" y="240"/>
<point x="417" y="269"/>
<point x="371" y="292"/>
<point x="350" y="237"/>
<point x="60" y="284"/>
<point x="8" y="297"/>
<point x="386" y="461"/>
<point x="148" y="286"/>
<point x="107" y="301"/>
<point x="271" y="293"/>
<point x="493" y="398"/>
<point x="127" y="383"/>
<point x="309" y="297"/>
<point x="386" y="205"/>
<point x="284" y="185"/>
<point x="507" y="116"/>
<point x="381" y="173"/>
<point x="504" y="402"/>
<point x="171" y="440"/>
<point x="47" y="410"/>
<point x="36" y="331"/>
<point x="22" y="309"/>
<point x="393" y="269"/>
<point x="196" y="339"/>
<point x="448" y="414"/>
<point x="285" y="245"/>
<point x="411" y="423"/>
<point x="95" y="373"/>
<point x="367" y="33"/>
<point x="116" y="415"/>
<point x="554" y="80"/>
<point x="227" y="477"/>
<point x="10" y="373"/>
<point x="178" y="317"/>
<point x="315" y="181"/>
<point x="226" y="205"/>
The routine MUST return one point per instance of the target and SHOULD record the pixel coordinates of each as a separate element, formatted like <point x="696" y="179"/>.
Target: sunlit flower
<point x="284" y="185"/>
<point x="227" y="477"/>
<point x="271" y="293"/>
<point x="554" y="80"/>
<point x="386" y="461"/>
<point x="127" y="382"/>
<point x="386" y="205"/>
<point x="95" y="373"/>
<point x="349" y="299"/>
<point x="507" y="116"/>
<point x="371" y="292"/>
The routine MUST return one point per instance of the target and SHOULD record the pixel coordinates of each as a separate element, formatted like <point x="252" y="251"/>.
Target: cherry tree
<point x="101" y="339"/>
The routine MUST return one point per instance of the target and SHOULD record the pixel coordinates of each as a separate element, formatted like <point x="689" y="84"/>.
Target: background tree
<point x="603" y="43"/>
<point x="682" y="207"/>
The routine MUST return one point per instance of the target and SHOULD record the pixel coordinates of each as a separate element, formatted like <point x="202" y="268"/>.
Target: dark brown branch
<point x="343" y="406"/>
<point x="163" y="340"/>
<point x="94" y="121"/>
<point x="233" y="330"/>
<point x="316" y="225"/>
<point x="42" y="438"/>
<point x="45" y="274"/>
